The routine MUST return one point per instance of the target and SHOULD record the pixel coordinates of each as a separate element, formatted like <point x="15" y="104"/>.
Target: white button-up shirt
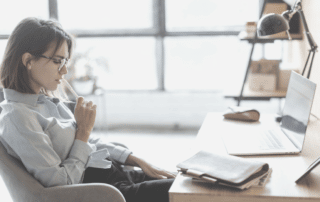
<point x="40" y="131"/>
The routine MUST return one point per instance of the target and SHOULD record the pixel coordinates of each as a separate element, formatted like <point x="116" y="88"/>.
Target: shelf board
<point x="253" y="95"/>
<point x="243" y="36"/>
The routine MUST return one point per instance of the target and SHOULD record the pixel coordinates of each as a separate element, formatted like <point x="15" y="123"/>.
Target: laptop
<point x="287" y="137"/>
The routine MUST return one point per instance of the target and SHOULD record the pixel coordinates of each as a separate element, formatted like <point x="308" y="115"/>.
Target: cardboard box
<point x="262" y="82"/>
<point x="264" y="75"/>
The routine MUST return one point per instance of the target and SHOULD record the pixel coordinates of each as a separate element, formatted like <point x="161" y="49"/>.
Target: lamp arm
<point x="298" y="8"/>
<point x="289" y="13"/>
<point x="311" y="41"/>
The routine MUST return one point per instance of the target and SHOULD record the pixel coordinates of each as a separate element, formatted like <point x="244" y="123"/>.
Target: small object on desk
<point x="278" y="119"/>
<point x="224" y="170"/>
<point x="242" y="114"/>
<point x="309" y="169"/>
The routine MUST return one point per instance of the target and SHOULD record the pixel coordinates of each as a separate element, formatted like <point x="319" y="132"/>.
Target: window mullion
<point x="53" y="9"/>
<point x="159" y="25"/>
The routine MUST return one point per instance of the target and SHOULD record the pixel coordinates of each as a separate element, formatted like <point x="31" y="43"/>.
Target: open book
<point x="225" y="170"/>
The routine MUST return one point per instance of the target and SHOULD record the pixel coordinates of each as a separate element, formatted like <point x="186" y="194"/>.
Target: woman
<point x="55" y="145"/>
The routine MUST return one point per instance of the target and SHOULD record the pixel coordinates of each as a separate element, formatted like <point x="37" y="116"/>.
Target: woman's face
<point x="45" y="72"/>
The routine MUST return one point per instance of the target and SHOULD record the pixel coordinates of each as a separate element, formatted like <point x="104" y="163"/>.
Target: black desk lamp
<point x="274" y="23"/>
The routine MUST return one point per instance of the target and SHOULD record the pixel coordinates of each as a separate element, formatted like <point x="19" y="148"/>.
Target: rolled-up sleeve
<point x="117" y="153"/>
<point x="34" y="148"/>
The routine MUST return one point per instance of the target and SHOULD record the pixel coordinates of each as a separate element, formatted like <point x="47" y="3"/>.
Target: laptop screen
<point x="297" y="108"/>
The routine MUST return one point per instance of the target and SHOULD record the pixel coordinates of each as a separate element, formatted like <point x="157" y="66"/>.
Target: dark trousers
<point x="134" y="184"/>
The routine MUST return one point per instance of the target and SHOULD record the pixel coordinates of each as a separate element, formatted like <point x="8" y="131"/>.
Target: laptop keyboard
<point x="268" y="140"/>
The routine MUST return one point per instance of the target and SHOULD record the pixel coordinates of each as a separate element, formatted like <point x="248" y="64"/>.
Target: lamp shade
<point x="271" y="24"/>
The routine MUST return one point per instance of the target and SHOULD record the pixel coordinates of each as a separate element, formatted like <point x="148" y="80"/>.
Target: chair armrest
<point x="93" y="192"/>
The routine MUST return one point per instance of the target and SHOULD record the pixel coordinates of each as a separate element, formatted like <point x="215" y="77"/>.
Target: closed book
<point x="228" y="170"/>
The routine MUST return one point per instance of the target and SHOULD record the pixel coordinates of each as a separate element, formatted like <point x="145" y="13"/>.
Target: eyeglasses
<point x="61" y="62"/>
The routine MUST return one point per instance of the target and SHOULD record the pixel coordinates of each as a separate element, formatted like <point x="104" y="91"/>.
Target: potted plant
<point x="81" y="72"/>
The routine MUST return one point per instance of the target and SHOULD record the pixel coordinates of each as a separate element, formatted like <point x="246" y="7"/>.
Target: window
<point x="11" y="15"/>
<point x="204" y="15"/>
<point x="3" y="44"/>
<point x="105" y="14"/>
<point x="13" y="11"/>
<point x="203" y="63"/>
<point x="150" y="44"/>
<point x="125" y="63"/>
<point x="205" y="52"/>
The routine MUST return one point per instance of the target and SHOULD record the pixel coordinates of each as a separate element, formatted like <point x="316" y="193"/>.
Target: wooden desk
<point x="281" y="185"/>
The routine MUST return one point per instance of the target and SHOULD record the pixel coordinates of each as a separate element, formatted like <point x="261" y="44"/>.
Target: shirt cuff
<point x="80" y="150"/>
<point x="120" y="154"/>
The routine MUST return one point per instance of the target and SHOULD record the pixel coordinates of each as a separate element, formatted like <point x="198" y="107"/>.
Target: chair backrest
<point x="21" y="185"/>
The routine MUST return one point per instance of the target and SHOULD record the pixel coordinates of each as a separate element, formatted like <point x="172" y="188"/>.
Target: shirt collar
<point x="29" y="99"/>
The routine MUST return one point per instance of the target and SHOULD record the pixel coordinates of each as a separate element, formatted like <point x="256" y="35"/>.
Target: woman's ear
<point x="26" y="58"/>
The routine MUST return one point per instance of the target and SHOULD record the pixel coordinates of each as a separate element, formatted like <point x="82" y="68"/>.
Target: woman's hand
<point x="148" y="169"/>
<point x="85" y="115"/>
<point x="155" y="172"/>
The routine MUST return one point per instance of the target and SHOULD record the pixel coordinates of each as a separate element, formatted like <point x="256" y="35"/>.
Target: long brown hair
<point x="32" y="35"/>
